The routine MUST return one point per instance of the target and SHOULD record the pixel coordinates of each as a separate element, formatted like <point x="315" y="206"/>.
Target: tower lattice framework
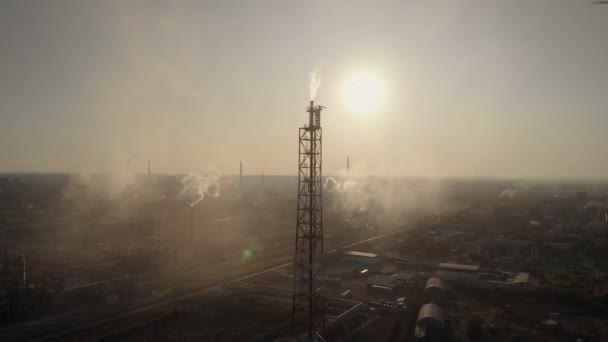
<point x="308" y="302"/>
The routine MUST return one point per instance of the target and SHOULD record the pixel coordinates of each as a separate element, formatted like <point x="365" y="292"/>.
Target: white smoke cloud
<point x="351" y="190"/>
<point x="315" y="83"/>
<point x="331" y="184"/>
<point x="121" y="182"/>
<point x="387" y="197"/>
<point x="84" y="186"/>
<point x="507" y="193"/>
<point x="195" y="187"/>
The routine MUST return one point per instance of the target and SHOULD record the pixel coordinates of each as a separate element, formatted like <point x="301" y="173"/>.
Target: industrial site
<point x="211" y="257"/>
<point x="316" y="171"/>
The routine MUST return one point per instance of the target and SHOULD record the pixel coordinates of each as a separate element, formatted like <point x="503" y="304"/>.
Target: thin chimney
<point x="5" y="261"/>
<point x="347" y="164"/>
<point x="241" y="175"/>
<point x="191" y="224"/>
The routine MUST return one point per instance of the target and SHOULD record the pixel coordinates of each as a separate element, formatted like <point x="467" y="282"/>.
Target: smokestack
<point x="312" y="110"/>
<point x="191" y="225"/>
<point x="262" y="178"/>
<point x="86" y="238"/>
<point x="21" y="266"/>
<point x="149" y="167"/>
<point x="84" y="222"/>
<point x="241" y="176"/>
<point x="347" y="164"/>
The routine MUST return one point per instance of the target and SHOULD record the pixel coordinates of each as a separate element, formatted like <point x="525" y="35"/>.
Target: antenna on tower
<point x="347" y="164"/>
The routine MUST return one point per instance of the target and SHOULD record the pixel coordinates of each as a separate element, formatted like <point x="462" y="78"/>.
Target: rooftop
<point x="405" y="276"/>
<point x="458" y="267"/>
<point x="515" y="243"/>
<point x="384" y="281"/>
<point x="596" y="204"/>
<point x="521" y="278"/>
<point x="361" y="254"/>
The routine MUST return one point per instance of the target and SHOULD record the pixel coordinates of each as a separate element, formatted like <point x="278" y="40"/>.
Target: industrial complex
<point x="210" y="257"/>
<point x="450" y="183"/>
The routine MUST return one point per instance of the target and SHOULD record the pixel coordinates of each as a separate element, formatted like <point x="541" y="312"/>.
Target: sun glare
<point x="364" y="92"/>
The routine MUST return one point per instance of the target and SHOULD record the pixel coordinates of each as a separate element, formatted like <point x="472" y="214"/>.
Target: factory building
<point x="488" y="279"/>
<point x="408" y="278"/>
<point x="522" y="281"/>
<point x="19" y="298"/>
<point x="362" y="257"/>
<point x="385" y="284"/>
<point x="447" y="271"/>
<point x="559" y="246"/>
<point x="355" y="263"/>
<point x="429" y="321"/>
<point x="510" y="251"/>
<point x="345" y="311"/>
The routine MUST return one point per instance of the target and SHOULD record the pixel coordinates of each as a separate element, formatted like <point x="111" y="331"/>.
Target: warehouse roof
<point x="405" y="276"/>
<point x="385" y="281"/>
<point x="521" y="278"/>
<point x="361" y="254"/>
<point x="458" y="267"/>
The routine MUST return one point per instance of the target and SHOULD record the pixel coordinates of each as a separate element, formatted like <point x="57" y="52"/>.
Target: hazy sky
<point x="473" y="88"/>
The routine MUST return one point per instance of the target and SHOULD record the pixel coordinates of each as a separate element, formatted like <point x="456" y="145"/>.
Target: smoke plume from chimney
<point x="195" y="187"/>
<point x="315" y="82"/>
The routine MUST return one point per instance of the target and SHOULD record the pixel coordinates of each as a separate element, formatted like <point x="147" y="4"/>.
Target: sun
<point x="363" y="92"/>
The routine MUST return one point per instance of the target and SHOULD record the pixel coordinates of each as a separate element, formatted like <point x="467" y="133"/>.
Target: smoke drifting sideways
<point x="315" y="83"/>
<point x="83" y="187"/>
<point x="195" y="187"/>
<point x="351" y="192"/>
<point x="356" y="192"/>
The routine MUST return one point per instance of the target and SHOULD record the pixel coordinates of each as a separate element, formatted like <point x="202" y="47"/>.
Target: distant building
<point x="355" y="263"/>
<point x="559" y="246"/>
<point x="596" y="208"/>
<point x="485" y="278"/>
<point x="405" y="276"/>
<point x="362" y="257"/>
<point x="447" y="271"/>
<point x="522" y="281"/>
<point x="385" y="283"/>
<point x="510" y="251"/>
<point x="581" y="196"/>
<point x="594" y="228"/>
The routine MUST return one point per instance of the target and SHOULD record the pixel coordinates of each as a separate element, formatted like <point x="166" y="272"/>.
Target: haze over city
<point x="304" y="171"/>
<point x="465" y="88"/>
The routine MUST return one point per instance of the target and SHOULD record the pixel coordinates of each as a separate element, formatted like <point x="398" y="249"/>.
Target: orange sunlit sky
<point x="456" y="88"/>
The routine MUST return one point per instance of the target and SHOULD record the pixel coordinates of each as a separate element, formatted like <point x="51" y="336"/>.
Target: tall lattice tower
<point x="308" y="315"/>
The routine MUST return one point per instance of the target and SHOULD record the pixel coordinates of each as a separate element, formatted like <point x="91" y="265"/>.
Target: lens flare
<point x="247" y="254"/>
